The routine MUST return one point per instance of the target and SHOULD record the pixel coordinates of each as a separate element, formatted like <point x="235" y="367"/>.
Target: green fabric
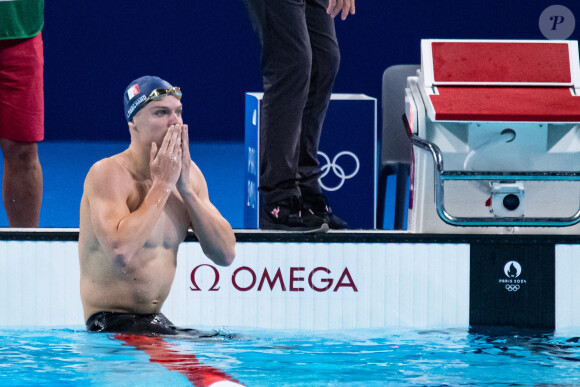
<point x="21" y="18"/>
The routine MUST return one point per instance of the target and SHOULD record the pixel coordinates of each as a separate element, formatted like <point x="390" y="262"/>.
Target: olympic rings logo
<point x="512" y="288"/>
<point x="337" y="169"/>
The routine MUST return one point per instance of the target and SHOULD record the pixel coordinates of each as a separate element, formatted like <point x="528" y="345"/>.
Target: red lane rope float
<point x="162" y="352"/>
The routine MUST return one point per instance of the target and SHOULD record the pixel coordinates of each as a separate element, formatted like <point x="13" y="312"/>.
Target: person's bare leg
<point x="21" y="183"/>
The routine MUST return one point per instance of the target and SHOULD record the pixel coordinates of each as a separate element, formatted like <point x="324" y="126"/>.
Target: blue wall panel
<point x="94" y="49"/>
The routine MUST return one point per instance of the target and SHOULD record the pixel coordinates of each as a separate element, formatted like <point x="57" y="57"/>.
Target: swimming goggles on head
<point x="157" y="94"/>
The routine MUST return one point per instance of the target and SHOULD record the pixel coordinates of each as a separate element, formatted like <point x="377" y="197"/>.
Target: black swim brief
<point x="153" y="324"/>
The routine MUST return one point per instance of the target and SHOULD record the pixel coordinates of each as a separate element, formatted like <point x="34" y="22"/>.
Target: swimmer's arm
<point x="213" y="231"/>
<point x="120" y="232"/>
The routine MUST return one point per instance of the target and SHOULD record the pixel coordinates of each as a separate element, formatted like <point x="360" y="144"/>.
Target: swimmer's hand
<point x="165" y="163"/>
<point x="337" y="6"/>
<point x="183" y="181"/>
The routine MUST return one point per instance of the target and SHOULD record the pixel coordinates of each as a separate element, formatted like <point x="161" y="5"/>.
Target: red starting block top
<point x="502" y="80"/>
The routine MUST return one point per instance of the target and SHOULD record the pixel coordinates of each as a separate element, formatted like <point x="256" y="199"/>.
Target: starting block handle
<point x="441" y="176"/>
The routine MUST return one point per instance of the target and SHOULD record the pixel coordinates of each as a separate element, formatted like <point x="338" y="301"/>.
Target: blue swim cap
<point x="138" y="91"/>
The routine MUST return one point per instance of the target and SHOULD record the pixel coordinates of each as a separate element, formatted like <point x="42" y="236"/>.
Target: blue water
<point x="386" y="357"/>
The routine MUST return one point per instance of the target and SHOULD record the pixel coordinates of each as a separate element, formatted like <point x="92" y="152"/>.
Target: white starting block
<point x="495" y="127"/>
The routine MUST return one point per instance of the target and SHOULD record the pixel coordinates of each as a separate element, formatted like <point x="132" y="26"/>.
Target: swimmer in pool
<point x="136" y="209"/>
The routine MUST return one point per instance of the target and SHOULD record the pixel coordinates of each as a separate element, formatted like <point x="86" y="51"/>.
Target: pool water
<point x="450" y="357"/>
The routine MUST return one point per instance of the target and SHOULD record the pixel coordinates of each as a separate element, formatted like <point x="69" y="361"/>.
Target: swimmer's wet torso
<point x="140" y="286"/>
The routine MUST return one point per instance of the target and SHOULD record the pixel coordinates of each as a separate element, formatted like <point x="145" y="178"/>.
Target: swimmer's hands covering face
<point x="183" y="181"/>
<point x="337" y="6"/>
<point x="166" y="163"/>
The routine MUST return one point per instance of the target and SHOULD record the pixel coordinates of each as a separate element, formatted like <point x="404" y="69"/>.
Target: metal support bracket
<point x="441" y="176"/>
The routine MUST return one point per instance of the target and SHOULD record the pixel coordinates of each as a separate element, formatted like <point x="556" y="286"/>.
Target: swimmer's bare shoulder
<point x="109" y="179"/>
<point x="107" y="190"/>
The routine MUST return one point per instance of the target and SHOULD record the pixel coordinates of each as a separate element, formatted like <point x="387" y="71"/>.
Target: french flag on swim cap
<point x="136" y="93"/>
<point x="133" y="91"/>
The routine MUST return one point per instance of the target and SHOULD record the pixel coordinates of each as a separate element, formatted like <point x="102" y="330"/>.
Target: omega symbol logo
<point x="216" y="277"/>
<point x="337" y="169"/>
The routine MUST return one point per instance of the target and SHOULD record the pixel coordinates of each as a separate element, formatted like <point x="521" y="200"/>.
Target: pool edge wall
<point x="338" y="280"/>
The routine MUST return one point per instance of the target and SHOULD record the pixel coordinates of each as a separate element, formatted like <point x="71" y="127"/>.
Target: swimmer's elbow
<point x="122" y="257"/>
<point x="225" y="257"/>
<point x="229" y="258"/>
<point x="122" y="260"/>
